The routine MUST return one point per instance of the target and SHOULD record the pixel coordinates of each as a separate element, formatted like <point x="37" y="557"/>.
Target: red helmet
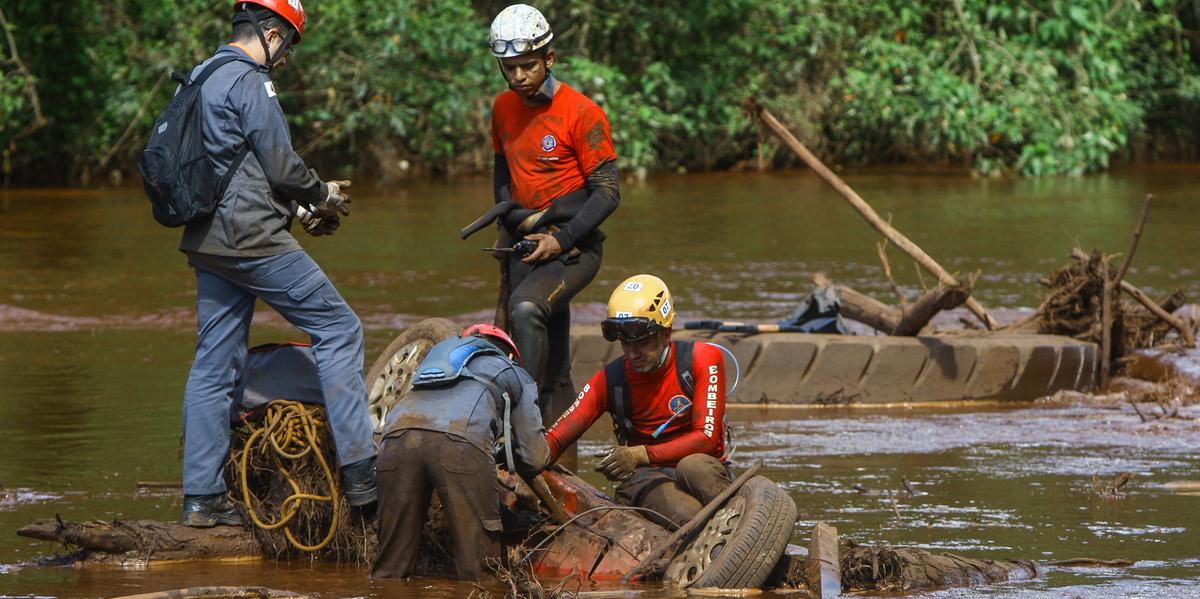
<point x="495" y="332"/>
<point x="292" y="11"/>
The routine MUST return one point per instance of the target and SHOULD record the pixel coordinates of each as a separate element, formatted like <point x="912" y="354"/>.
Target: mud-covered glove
<point x="325" y="226"/>
<point x="622" y="461"/>
<point x="336" y="200"/>
<point x="316" y="226"/>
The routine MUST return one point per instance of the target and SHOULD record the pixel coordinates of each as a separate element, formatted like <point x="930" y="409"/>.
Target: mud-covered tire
<point x="390" y="377"/>
<point x="741" y="543"/>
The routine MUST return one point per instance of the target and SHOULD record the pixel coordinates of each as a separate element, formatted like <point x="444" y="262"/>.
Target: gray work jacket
<point x="469" y="410"/>
<point x="254" y="215"/>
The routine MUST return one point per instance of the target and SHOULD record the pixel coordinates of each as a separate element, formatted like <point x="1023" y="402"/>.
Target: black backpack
<point x="176" y="173"/>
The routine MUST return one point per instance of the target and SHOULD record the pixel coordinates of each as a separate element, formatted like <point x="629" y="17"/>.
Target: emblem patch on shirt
<point x="270" y="88"/>
<point x="679" y="404"/>
<point x="549" y="143"/>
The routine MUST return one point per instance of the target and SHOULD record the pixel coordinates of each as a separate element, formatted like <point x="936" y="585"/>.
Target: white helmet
<point x="519" y="29"/>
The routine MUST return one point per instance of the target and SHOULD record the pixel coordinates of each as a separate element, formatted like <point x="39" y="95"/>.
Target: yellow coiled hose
<point x="291" y="431"/>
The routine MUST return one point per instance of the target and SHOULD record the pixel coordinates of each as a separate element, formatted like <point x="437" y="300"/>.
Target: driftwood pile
<point x="1074" y="307"/>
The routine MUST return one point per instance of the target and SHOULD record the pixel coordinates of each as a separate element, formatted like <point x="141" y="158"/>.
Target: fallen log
<point x="147" y="540"/>
<point x="885" y="568"/>
<point x="868" y="213"/>
<point x="906" y="321"/>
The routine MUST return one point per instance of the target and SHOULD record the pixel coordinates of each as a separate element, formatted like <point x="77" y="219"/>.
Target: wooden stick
<point x="542" y="491"/>
<point x="887" y="272"/>
<point x="1106" y="320"/>
<point x="1133" y="243"/>
<point x="697" y="521"/>
<point x="872" y="217"/>
<point x="155" y="484"/>
<point x="1189" y="337"/>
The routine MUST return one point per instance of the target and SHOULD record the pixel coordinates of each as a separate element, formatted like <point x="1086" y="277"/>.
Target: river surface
<point x="97" y="330"/>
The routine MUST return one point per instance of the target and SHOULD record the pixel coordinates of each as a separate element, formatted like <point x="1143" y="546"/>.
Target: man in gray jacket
<point x="467" y="393"/>
<point x="244" y="252"/>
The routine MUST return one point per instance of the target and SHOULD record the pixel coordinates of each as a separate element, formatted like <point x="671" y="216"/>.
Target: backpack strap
<point x="212" y="68"/>
<point x="616" y="388"/>
<point x="208" y="71"/>
<point x="683" y="367"/>
<point x="507" y="427"/>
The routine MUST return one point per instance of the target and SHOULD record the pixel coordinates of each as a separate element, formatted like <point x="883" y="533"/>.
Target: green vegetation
<point x="1029" y="87"/>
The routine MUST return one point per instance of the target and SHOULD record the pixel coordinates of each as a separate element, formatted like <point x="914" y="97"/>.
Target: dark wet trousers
<point x="677" y="493"/>
<point x="411" y="466"/>
<point x="539" y="316"/>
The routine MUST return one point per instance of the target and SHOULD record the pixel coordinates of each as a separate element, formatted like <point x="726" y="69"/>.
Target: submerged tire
<point x="390" y="377"/>
<point x="741" y="543"/>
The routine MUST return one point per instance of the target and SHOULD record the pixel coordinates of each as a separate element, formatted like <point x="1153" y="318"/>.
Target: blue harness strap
<point x="446" y="363"/>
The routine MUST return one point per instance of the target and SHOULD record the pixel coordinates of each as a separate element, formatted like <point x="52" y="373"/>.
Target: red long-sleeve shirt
<point x="700" y="429"/>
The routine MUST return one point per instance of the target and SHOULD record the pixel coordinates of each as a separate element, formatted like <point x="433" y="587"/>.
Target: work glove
<point x="336" y="200"/>
<point x="622" y="461"/>
<point x="317" y="226"/>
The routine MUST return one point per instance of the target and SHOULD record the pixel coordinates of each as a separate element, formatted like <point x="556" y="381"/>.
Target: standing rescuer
<point x="667" y="402"/>
<point x="467" y="393"/>
<point x="553" y="145"/>
<point x="244" y="251"/>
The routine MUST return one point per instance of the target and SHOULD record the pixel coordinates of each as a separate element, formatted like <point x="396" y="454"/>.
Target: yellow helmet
<point x="640" y="306"/>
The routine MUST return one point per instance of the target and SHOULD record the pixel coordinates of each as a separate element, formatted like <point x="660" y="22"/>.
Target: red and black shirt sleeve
<point x="590" y="404"/>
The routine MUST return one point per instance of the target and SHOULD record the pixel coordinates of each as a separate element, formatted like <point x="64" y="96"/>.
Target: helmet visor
<point x="628" y="329"/>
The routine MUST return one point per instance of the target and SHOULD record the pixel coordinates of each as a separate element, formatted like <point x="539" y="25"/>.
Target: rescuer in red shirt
<point x="553" y="149"/>
<point x="667" y="401"/>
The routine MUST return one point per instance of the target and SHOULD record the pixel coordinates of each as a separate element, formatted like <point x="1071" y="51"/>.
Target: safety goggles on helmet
<point x="628" y="329"/>
<point x="518" y="46"/>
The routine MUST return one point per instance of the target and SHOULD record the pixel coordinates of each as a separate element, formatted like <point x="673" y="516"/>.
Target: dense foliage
<point x="1031" y="87"/>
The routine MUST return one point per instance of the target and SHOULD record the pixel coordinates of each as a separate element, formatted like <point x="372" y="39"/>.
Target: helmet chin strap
<point x="262" y="38"/>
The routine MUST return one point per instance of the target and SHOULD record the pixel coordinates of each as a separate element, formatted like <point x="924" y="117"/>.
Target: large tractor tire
<point x="390" y="377"/>
<point x="740" y="544"/>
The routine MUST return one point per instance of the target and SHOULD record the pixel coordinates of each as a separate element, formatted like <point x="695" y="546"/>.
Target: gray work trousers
<point x="292" y="284"/>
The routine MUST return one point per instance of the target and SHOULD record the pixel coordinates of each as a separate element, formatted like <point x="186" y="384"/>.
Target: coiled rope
<point x="290" y="432"/>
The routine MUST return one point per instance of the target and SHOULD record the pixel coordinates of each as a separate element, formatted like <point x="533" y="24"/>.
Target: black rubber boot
<point x="207" y="511"/>
<point x="358" y="483"/>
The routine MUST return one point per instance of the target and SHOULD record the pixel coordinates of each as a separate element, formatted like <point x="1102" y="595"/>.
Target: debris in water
<point x="1113" y="489"/>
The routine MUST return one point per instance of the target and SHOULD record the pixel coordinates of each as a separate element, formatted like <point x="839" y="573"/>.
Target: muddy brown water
<point x="96" y="333"/>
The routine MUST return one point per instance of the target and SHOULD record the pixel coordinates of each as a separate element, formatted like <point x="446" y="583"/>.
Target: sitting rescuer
<point x="468" y="392"/>
<point x="244" y="251"/>
<point x="554" y="154"/>
<point x="667" y="402"/>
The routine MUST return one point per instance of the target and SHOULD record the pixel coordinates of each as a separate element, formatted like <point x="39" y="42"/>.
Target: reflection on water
<point x="96" y="337"/>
